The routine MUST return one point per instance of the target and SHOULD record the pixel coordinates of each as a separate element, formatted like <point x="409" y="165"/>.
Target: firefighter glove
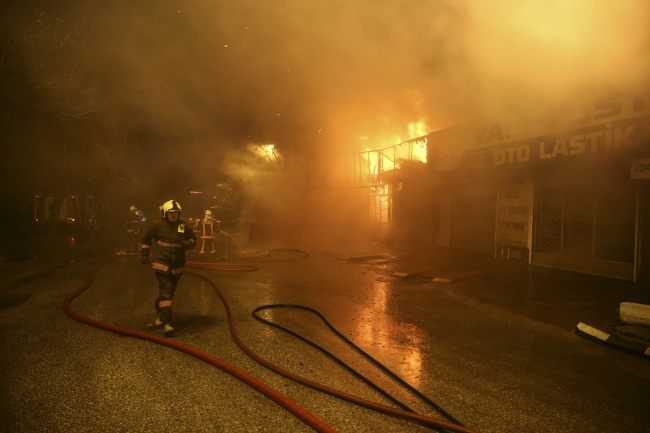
<point x="188" y="244"/>
<point x="145" y="257"/>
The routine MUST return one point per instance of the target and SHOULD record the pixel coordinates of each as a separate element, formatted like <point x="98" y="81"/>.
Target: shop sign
<point x="606" y="126"/>
<point x="513" y="212"/>
<point x="640" y="169"/>
<point x="599" y="140"/>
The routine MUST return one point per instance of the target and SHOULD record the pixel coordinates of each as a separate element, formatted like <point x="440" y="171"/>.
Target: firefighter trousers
<point x="166" y="288"/>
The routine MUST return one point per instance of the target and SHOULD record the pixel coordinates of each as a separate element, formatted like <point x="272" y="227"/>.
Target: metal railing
<point x="367" y="168"/>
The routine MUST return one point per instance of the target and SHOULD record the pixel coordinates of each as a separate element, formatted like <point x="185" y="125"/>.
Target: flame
<point x="388" y="154"/>
<point x="389" y="158"/>
<point x="419" y="129"/>
<point x="370" y="155"/>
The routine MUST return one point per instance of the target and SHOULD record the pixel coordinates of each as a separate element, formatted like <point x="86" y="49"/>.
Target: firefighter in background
<point x="208" y="224"/>
<point x="133" y="227"/>
<point x="133" y="223"/>
<point x="169" y="237"/>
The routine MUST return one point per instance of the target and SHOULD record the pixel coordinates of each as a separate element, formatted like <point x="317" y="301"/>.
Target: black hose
<point x="378" y="364"/>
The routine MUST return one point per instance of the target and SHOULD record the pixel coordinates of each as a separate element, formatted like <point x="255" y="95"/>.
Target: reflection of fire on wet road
<point x="391" y="340"/>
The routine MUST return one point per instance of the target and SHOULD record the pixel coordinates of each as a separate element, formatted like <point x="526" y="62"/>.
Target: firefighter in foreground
<point x="170" y="237"/>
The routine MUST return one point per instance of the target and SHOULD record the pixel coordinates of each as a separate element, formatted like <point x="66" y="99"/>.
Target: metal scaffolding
<point x="370" y="168"/>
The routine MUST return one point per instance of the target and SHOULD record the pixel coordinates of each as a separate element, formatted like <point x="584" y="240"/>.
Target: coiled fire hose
<point x="288" y="404"/>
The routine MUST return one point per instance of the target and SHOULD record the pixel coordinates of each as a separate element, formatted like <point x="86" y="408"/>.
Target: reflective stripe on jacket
<point x="165" y="240"/>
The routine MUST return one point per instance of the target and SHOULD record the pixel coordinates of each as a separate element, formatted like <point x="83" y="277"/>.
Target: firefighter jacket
<point x="167" y="242"/>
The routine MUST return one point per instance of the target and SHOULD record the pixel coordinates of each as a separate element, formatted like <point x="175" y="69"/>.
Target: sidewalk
<point x="557" y="297"/>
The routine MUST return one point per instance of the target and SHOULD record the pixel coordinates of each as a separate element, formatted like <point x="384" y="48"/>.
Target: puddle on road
<point x="371" y="329"/>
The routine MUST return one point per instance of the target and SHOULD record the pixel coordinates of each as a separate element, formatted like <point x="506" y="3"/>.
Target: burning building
<point x="568" y="195"/>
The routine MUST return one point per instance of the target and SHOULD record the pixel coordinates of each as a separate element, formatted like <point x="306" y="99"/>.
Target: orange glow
<point x="268" y="151"/>
<point x="418" y="151"/>
<point x="400" y="341"/>
<point x="390" y="154"/>
<point x="380" y="204"/>
<point x="419" y="129"/>
<point x="551" y="51"/>
<point x="387" y="161"/>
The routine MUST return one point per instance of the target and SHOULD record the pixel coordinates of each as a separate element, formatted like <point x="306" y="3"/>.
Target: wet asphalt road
<point x="469" y="346"/>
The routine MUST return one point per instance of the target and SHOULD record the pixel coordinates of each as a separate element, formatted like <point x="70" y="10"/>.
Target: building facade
<point x="571" y="196"/>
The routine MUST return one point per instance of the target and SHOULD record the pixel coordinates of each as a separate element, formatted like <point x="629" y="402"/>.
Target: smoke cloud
<point x="333" y="76"/>
<point x="545" y="55"/>
<point x="318" y="75"/>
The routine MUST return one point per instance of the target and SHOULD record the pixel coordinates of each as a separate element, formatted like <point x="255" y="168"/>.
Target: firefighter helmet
<point x="133" y="209"/>
<point x="170" y="206"/>
<point x="207" y="212"/>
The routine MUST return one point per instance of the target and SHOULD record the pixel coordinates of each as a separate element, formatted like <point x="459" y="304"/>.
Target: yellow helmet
<point x="170" y="206"/>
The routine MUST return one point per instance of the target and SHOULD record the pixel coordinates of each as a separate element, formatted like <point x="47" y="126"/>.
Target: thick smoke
<point x="322" y="77"/>
<point x="545" y="57"/>
<point x="318" y="75"/>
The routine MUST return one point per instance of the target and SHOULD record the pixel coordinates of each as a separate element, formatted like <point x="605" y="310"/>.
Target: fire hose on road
<point x="288" y="404"/>
<point x="357" y="349"/>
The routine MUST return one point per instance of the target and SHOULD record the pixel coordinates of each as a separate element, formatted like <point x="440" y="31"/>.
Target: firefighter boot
<point x="168" y="328"/>
<point x="158" y="322"/>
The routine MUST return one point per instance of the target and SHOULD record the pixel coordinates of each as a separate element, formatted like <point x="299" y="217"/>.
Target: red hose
<point x="291" y="406"/>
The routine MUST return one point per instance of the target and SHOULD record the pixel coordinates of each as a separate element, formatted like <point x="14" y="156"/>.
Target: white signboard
<point x="513" y="212"/>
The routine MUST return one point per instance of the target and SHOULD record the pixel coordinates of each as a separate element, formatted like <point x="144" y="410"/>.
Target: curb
<point x="636" y="314"/>
<point x="635" y="331"/>
<point x="594" y="334"/>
